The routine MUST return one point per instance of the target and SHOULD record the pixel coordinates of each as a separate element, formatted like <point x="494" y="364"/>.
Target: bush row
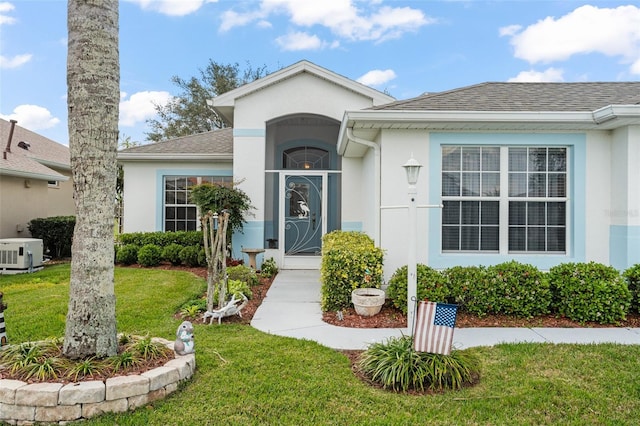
<point x="56" y="234"/>
<point x="350" y="260"/>
<point x="580" y="291"/>
<point x="151" y="255"/>
<point x="162" y="239"/>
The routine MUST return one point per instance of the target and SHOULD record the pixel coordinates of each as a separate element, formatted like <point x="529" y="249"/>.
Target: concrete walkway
<point x="292" y="308"/>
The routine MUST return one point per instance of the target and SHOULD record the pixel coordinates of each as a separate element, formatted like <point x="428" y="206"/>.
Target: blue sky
<point x="403" y="47"/>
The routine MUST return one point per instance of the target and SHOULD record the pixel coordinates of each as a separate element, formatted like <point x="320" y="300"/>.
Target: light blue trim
<point x="249" y="133"/>
<point x="352" y="226"/>
<point x="624" y="246"/>
<point x="576" y="203"/>
<point x="161" y="173"/>
<point x="251" y="237"/>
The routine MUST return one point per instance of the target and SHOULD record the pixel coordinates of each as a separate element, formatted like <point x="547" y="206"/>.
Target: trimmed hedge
<point x="469" y="289"/>
<point x="430" y="285"/>
<point x="190" y="256"/>
<point x="56" y="234"/>
<point x="350" y="260"/>
<point x="127" y="254"/>
<point x="518" y="289"/>
<point x="171" y="253"/>
<point x="632" y="276"/>
<point x="162" y="239"/>
<point x="589" y="292"/>
<point x="150" y="255"/>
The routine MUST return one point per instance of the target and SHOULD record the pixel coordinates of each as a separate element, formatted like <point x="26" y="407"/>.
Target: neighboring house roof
<point x="213" y="145"/>
<point x="568" y="97"/>
<point x="224" y="104"/>
<point x="31" y="155"/>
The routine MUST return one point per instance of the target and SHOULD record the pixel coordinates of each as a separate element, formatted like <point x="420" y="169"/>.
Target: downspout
<point x="8" y="148"/>
<point x="377" y="178"/>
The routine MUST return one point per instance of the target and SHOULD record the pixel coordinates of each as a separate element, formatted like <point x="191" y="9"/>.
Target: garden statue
<point x="233" y="307"/>
<point x="184" y="343"/>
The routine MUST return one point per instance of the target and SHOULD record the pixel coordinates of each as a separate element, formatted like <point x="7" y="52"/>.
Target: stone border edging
<point x="21" y="402"/>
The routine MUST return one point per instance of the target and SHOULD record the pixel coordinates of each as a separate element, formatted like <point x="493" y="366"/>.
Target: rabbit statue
<point x="184" y="343"/>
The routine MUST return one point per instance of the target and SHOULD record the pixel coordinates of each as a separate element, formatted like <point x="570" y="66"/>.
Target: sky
<point x="404" y="48"/>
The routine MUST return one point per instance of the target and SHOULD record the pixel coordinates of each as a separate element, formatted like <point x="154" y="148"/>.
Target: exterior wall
<point x="624" y="212"/>
<point x="598" y="196"/>
<point x="60" y="198"/>
<point x="397" y="147"/>
<point x="143" y="190"/>
<point x="21" y="201"/>
<point x="302" y="94"/>
<point x="354" y="188"/>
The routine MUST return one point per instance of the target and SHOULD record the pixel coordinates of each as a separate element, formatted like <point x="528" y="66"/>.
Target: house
<point x="543" y="173"/>
<point x="35" y="179"/>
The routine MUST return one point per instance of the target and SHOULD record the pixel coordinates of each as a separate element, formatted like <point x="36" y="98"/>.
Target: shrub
<point x="235" y="288"/>
<point x="269" y="268"/>
<point x="350" y="260"/>
<point x="171" y="253"/>
<point x="469" y="289"/>
<point x="162" y="239"/>
<point x="189" y="256"/>
<point x="149" y="255"/>
<point x="56" y="234"/>
<point x="243" y="273"/>
<point x="430" y="285"/>
<point x="395" y="365"/>
<point x="127" y="254"/>
<point x="632" y="276"/>
<point x="589" y="292"/>
<point x="519" y="290"/>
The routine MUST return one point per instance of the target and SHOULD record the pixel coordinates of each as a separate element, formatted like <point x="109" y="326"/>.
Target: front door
<point x="304" y="222"/>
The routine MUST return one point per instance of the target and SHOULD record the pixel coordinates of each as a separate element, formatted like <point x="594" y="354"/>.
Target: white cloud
<point x="4" y="19"/>
<point x="32" y="117"/>
<point x="635" y="67"/>
<point x="368" y="21"/>
<point x="550" y="75"/>
<point x="140" y="106"/>
<point x="300" y="41"/>
<point x="16" y="61"/>
<point x="588" y="29"/>
<point x="377" y="77"/>
<point x="172" y="7"/>
<point x="509" y="30"/>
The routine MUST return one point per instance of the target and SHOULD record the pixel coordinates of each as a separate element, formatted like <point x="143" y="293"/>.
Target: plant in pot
<point x="367" y="301"/>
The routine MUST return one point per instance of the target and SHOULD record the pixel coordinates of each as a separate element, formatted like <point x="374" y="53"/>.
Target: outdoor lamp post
<point x="412" y="167"/>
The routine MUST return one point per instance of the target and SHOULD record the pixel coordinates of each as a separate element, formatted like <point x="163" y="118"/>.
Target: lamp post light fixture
<point x="412" y="167"/>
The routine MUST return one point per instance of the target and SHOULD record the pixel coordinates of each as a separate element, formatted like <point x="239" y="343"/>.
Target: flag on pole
<point x="435" y="323"/>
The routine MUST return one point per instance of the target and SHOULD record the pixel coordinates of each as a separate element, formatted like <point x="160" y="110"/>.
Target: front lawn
<point x="245" y="376"/>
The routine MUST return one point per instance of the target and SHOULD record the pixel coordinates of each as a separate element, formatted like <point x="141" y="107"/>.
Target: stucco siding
<point x="597" y="196"/>
<point x="60" y="198"/>
<point x="143" y="190"/>
<point x="303" y="94"/>
<point x="22" y="201"/>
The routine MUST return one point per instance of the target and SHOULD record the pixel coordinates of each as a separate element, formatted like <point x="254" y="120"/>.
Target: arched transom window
<point x="306" y="158"/>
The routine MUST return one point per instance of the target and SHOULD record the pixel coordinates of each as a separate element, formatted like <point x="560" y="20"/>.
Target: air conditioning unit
<point x="20" y="255"/>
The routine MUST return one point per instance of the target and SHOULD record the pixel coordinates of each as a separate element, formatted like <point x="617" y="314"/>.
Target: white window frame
<point x="504" y="199"/>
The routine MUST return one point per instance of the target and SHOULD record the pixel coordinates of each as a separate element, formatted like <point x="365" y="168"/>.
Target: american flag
<point x="435" y="323"/>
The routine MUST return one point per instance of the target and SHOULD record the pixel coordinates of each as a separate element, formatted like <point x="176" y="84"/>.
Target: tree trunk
<point x="93" y="89"/>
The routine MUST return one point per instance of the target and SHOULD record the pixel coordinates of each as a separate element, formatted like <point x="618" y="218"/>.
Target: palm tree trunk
<point x="93" y="89"/>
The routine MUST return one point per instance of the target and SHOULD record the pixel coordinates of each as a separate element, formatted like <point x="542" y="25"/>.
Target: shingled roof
<point x="569" y="97"/>
<point x="32" y="155"/>
<point x="216" y="142"/>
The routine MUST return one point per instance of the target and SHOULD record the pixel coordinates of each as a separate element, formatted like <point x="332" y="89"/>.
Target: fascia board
<point x="228" y="99"/>
<point x="174" y="157"/>
<point x="611" y="112"/>
<point x="384" y="116"/>
<point x="38" y="176"/>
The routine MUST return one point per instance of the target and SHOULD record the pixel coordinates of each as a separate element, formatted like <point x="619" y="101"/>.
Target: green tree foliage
<point x="188" y="112"/>
<point x="215" y="198"/>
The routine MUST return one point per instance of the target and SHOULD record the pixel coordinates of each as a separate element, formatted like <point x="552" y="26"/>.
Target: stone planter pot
<point x="367" y="301"/>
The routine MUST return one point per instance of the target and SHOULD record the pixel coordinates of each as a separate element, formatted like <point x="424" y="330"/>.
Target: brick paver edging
<point x="22" y="403"/>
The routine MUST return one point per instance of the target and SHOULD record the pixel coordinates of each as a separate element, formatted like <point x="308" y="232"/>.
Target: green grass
<point x="246" y="377"/>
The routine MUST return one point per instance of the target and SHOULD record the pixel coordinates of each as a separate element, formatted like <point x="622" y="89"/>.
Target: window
<point x="179" y="213"/>
<point x="305" y="157"/>
<point x="479" y="215"/>
<point x="53" y="184"/>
